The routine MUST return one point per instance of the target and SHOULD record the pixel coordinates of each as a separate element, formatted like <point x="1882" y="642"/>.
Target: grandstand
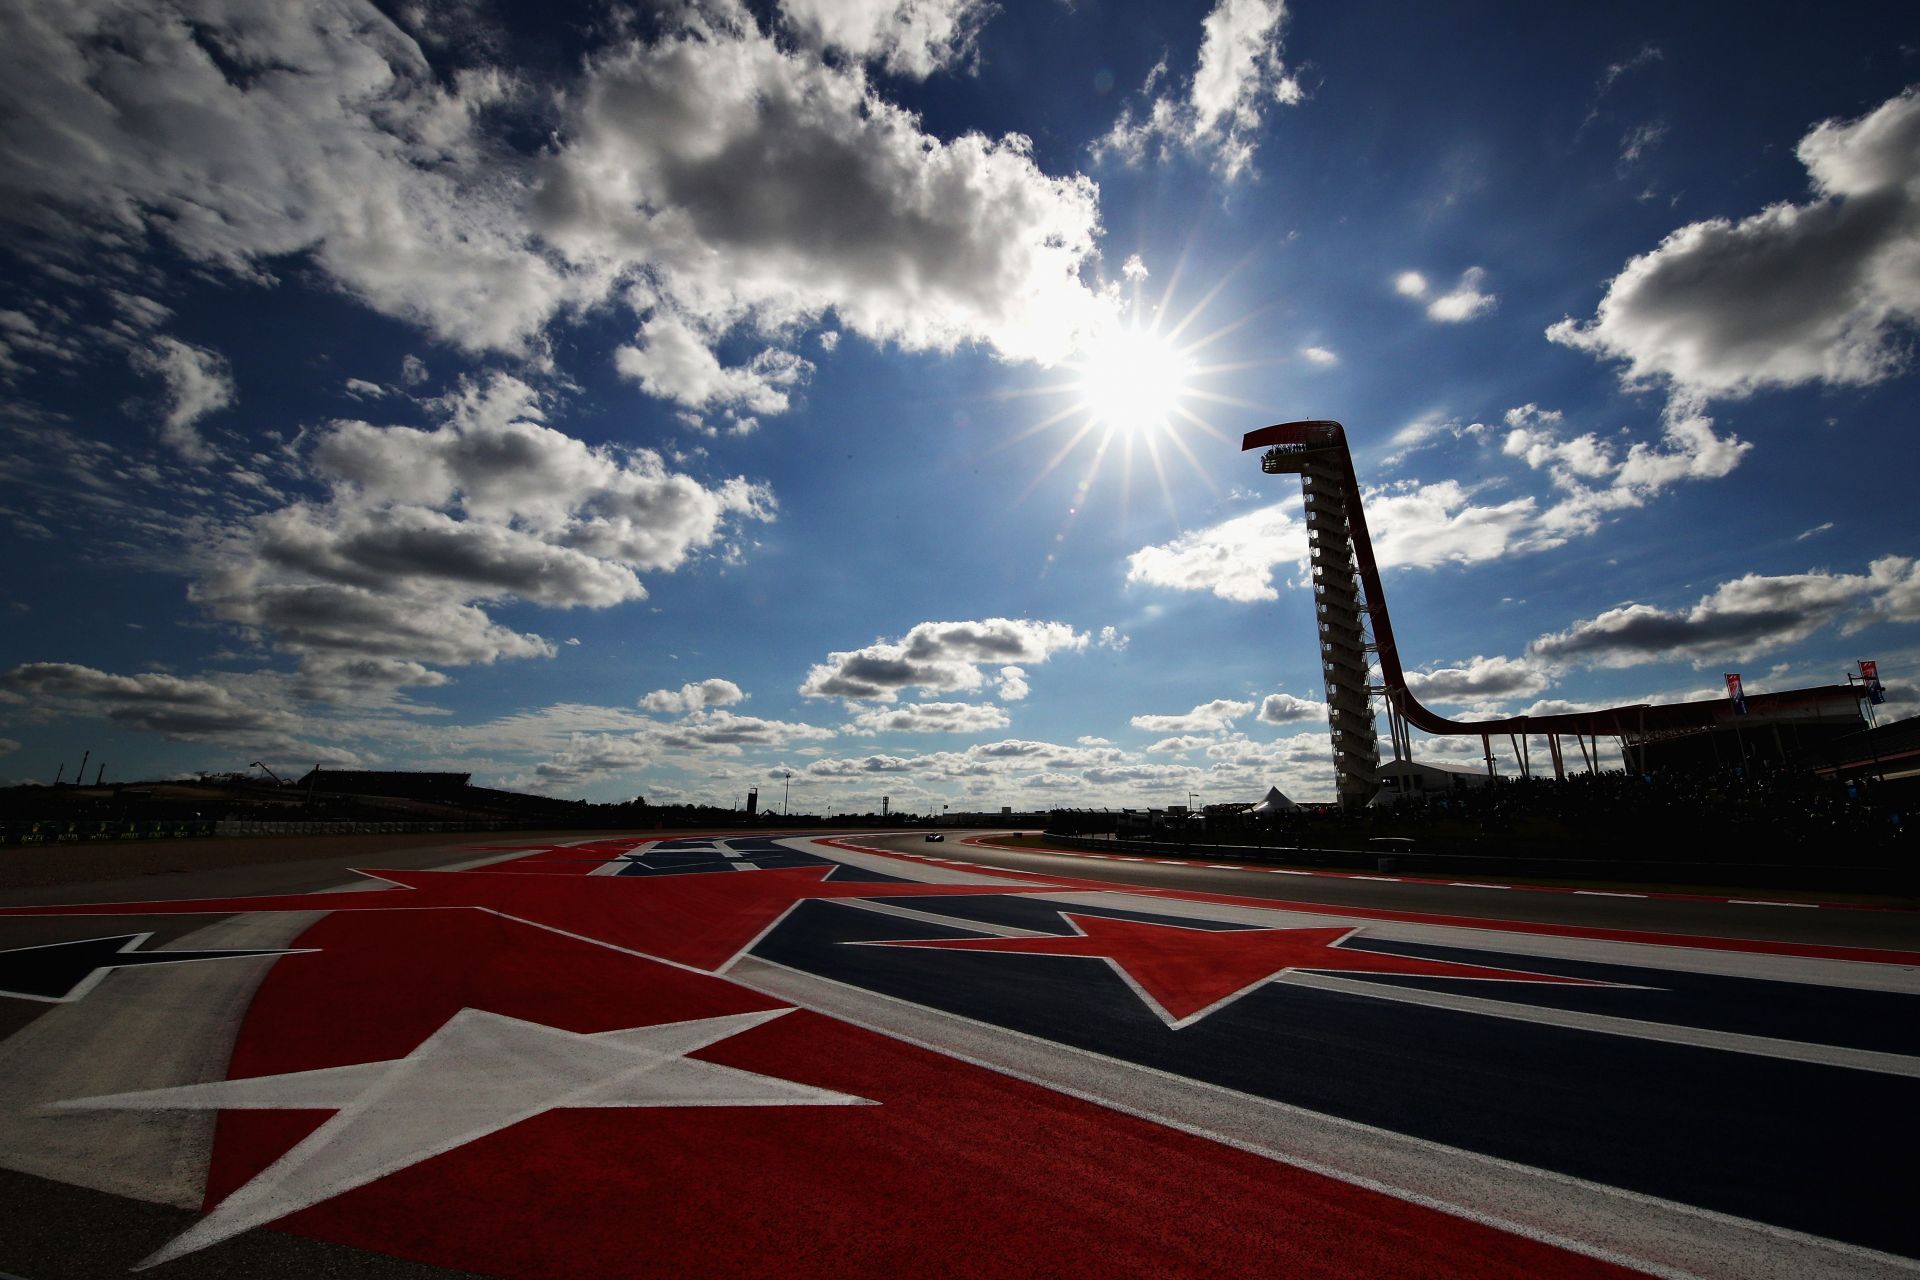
<point x="1360" y="658"/>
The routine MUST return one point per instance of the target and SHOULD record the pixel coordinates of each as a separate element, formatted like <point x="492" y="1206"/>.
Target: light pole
<point x="787" y="793"/>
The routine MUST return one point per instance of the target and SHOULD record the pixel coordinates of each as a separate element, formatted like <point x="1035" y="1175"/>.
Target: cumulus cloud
<point x="850" y="768"/>
<point x="1741" y="619"/>
<point x="198" y="383"/>
<point x="590" y="757"/>
<point x="1234" y="560"/>
<point x="930" y="717"/>
<point x="1320" y="356"/>
<point x="1423" y="525"/>
<point x="908" y="37"/>
<point x="726" y="190"/>
<point x="676" y="363"/>
<point x="762" y="188"/>
<point x="423" y="528"/>
<point x="244" y="134"/>
<point x="1239" y="76"/>
<point x="1012" y="686"/>
<point x="193" y="710"/>
<point x="1479" y="679"/>
<point x="1284" y="708"/>
<point x="1462" y="302"/>
<point x="1599" y="478"/>
<point x="693" y="696"/>
<point x="724" y="733"/>
<point x="1208" y="717"/>
<point x="938" y="657"/>
<point x="1797" y="293"/>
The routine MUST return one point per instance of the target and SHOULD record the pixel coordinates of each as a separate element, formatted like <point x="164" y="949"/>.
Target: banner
<point x="1870" y="676"/>
<point x="1734" y="692"/>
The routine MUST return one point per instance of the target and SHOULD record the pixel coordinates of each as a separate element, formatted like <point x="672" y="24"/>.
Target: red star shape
<point x="1184" y="974"/>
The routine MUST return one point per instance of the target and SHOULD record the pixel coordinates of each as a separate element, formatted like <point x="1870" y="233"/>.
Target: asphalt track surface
<point x="875" y="1055"/>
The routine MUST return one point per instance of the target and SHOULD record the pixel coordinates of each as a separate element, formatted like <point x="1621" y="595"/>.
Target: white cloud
<point x="908" y="37"/>
<point x="1208" y="717"/>
<point x="1177" y="746"/>
<point x="1479" y="680"/>
<point x="1320" y="356"/>
<point x="1111" y="638"/>
<point x="1284" y="708"/>
<point x="1689" y="449"/>
<point x="1239" y="75"/>
<point x="1234" y="559"/>
<point x="189" y="709"/>
<point x="1423" y="525"/>
<point x="762" y="189"/>
<point x="718" y="186"/>
<point x="198" y="383"/>
<point x="676" y="363"/>
<point x="1640" y="140"/>
<point x="724" y="733"/>
<point x="1420" y="526"/>
<point x="424" y="527"/>
<point x="930" y="717"/>
<point x="693" y="696"/>
<point x="1742" y="619"/>
<point x="1462" y="302"/>
<point x="1797" y="293"/>
<point x="858" y="768"/>
<point x="590" y="758"/>
<point x="245" y="135"/>
<point x="939" y="657"/>
<point x="1013" y="684"/>
<point x="1814" y="532"/>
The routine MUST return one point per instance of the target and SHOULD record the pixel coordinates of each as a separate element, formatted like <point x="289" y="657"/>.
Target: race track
<point x="866" y="1055"/>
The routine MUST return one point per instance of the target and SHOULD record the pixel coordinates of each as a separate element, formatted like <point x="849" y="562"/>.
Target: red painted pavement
<point x="958" y="1171"/>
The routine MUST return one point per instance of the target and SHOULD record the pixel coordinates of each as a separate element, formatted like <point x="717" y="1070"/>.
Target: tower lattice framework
<point x="1340" y="613"/>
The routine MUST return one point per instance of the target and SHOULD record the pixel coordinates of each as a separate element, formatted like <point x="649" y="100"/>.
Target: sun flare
<point x="1133" y="380"/>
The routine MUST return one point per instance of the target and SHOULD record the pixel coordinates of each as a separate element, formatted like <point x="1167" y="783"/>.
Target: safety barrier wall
<point x="91" y="831"/>
<point x="1885" y="878"/>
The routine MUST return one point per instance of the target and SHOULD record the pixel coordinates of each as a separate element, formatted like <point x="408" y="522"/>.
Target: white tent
<point x="1275" y="802"/>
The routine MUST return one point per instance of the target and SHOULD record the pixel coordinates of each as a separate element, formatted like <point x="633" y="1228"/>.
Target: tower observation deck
<point x="1360" y="658"/>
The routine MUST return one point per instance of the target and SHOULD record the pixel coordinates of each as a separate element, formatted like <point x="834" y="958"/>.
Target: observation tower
<point x="1358" y="656"/>
<point x="1315" y="451"/>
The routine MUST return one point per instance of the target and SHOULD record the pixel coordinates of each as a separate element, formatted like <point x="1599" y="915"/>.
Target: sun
<point x="1132" y="400"/>
<point x="1133" y="381"/>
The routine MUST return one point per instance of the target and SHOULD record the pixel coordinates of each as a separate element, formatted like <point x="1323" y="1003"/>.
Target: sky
<point x="844" y="399"/>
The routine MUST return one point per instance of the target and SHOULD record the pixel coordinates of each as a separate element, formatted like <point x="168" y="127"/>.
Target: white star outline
<point x="477" y="1074"/>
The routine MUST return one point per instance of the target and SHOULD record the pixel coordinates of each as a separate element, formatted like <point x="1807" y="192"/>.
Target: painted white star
<point x="479" y="1073"/>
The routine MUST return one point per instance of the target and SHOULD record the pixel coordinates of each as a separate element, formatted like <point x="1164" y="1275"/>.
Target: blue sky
<point x="666" y="399"/>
